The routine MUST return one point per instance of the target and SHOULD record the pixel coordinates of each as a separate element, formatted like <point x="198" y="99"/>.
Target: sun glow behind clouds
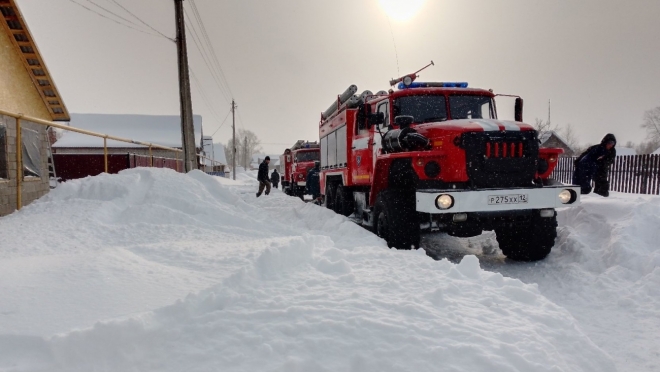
<point x="401" y="10"/>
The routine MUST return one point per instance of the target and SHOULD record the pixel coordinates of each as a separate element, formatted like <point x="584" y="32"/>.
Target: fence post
<point x="19" y="165"/>
<point x="105" y="153"/>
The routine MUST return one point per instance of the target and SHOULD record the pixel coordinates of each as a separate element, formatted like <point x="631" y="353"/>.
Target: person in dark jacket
<point x="595" y="164"/>
<point x="275" y="178"/>
<point x="313" y="184"/>
<point x="262" y="177"/>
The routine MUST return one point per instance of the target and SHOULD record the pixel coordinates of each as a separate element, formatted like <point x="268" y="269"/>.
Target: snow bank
<point x="289" y="287"/>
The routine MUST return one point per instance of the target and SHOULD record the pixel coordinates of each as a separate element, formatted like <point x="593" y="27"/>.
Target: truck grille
<point x="504" y="150"/>
<point x="500" y="159"/>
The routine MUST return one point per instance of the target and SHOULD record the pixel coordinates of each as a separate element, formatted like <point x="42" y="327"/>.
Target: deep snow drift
<point x="153" y="270"/>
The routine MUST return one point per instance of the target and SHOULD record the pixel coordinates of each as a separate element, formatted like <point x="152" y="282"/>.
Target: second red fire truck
<point x="435" y="156"/>
<point x="295" y="162"/>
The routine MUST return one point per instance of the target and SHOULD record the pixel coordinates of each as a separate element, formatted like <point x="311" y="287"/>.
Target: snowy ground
<point x="153" y="270"/>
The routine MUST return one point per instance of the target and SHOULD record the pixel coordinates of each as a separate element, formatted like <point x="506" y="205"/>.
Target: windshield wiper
<point x="437" y="118"/>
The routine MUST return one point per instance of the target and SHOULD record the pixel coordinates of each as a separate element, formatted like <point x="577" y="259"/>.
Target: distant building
<point x="656" y="152"/>
<point x="163" y="130"/>
<point x="214" y="153"/>
<point x="26" y="87"/>
<point x="259" y="158"/>
<point x="553" y="139"/>
<point x="77" y="155"/>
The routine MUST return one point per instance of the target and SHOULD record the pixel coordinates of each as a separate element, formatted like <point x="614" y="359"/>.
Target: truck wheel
<point x="330" y="196"/>
<point x="528" y="243"/>
<point x="344" y="203"/>
<point x="396" y="220"/>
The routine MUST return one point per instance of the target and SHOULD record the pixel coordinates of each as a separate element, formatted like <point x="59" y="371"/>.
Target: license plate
<point x="507" y="199"/>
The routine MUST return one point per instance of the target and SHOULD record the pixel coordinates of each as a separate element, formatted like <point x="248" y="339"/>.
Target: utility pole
<point x="187" y="126"/>
<point x="233" y="141"/>
<point x="245" y="153"/>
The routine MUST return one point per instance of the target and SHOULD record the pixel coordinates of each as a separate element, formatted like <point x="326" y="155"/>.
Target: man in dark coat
<point x="262" y="177"/>
<point x="275" y="178"/>
<point x="313" y="184"/>
<point x="595" y="164"/>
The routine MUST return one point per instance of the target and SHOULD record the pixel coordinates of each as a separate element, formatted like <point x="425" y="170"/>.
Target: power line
<point x="205" y="98"/>
<point x="113" y="13"/>
<point x="141" y="21"/>
<point x="113" y="20"/>
<point x="210" y="45"/>
<point x="221" y="124"/>
<point x="206" y="60"/>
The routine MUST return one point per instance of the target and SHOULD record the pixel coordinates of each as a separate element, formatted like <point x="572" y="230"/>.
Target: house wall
<point x="31" y="188"/>
<point x="17" y="91"/>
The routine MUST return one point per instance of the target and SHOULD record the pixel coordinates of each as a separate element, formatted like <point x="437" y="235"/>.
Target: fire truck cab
<point x="435" y="157"/>
<point x="295" y="163"/>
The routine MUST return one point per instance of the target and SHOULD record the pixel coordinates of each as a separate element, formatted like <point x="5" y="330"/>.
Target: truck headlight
<point x="300" y="175"/>
<point x="567" y="196"/>
<point x="444" y="201"/>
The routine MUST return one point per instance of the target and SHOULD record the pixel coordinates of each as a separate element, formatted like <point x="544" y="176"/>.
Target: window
<point x="386" y="113"/>
<point x="31" y="153"/>
<point x="423" y="108"/>
<point x="470" y="107"/>
<point x="308" y="156"/>
<point x="3" y="152"/>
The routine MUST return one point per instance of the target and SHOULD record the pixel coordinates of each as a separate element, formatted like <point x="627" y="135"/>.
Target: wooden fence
<point x="635" y="174"/>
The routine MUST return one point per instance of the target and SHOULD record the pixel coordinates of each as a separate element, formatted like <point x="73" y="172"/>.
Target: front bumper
<point x="301" y="183"/>
<point x="478" y="200"/>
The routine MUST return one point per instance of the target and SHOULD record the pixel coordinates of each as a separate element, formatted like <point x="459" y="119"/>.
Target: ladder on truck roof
<point x="302" y="144"/>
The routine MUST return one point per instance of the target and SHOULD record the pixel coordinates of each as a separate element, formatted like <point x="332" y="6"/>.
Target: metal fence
<point x="635" y="174"/>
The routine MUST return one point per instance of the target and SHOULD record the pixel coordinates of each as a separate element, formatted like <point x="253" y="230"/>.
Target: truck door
<point x="361" y="152"/>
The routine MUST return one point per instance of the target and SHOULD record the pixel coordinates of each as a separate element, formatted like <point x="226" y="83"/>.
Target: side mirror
<point x="518" y="111"/>
<point x="403" y="121"/>
<point x="377" y="118"/>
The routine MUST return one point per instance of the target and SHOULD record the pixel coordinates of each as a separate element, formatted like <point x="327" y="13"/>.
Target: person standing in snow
<point x="275" y="178"/>
<point x="595" y="164"/>
<point x="313" y="184"/>
<point x="262" y="177"/>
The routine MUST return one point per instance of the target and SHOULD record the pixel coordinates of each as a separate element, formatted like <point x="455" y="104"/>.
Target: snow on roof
<point x="656" y="152"/>
<point x="215" y="151"/>
<point x="158" y="129"/>
<point x="624" y="151"/>
<point x="545" y="136"/>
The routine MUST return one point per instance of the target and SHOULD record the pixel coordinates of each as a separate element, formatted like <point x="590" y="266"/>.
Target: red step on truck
<point x="434" y="156"/>
<point x="295" y="163"/>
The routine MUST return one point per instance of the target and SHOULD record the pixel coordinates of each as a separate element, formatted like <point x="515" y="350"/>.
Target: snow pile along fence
<point x="634" y="174"/>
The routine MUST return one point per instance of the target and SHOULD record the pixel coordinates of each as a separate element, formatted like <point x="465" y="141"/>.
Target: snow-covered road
<point x="153" y="270"/>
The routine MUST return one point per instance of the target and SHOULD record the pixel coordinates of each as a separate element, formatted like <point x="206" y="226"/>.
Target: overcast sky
<point x="286" y="60"/>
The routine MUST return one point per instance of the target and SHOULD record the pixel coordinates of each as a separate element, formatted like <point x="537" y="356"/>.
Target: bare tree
<point x="652" y="124"/>
<point x="570" y="137"/>
<point x="543" y="126"/>
<point x="247" y="144"/>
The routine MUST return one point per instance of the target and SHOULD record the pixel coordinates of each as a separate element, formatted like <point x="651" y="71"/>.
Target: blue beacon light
<point x="434" y="85"/>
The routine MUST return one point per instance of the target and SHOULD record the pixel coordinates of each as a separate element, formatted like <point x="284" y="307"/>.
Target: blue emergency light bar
<point x="434" y="85"/>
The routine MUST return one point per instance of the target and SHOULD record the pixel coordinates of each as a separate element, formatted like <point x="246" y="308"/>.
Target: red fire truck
<point x="295" y="162"/>
<point x="435" y="157"/>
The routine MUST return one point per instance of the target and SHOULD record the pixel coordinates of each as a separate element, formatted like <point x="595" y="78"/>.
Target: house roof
<point x="158" y="129"/>
<point x="15" y="26"/>
<point x="656" y="152"/>
<point x="545" y="136"/>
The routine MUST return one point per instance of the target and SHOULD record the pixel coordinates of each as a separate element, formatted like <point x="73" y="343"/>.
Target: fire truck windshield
<point x="308" y="156"/>
<point x="471" y="107"/>
<point x="423" y="108"/>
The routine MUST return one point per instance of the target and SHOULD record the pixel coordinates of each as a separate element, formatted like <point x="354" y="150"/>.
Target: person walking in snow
<point x="262" y="177"/>
<point x="595" y="164"/>
<point x="275" y="178"/>
<point x="313" y="184"/>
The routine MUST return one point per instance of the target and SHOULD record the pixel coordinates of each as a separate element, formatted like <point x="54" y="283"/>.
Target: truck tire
<point x="396" y="219"/>
<point x="330" y="196"/>
<point x="528" y="243"/>
<point x="343" y="203"/>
